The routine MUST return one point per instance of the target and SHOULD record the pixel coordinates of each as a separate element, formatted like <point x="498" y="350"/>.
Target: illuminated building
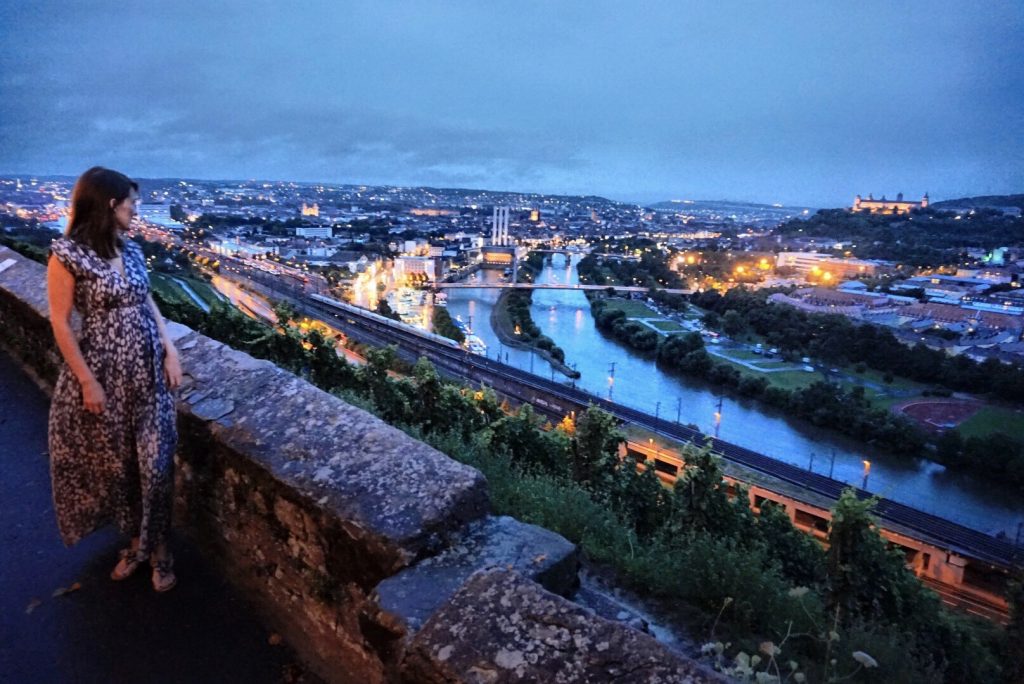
<point x="498" y="256"/>
<point x="884" y="206"/>
<point x="310" y="209"/>
<point x="405" y="266"/>
<point x="430" y="211"/>
<point x="818" y="265"/>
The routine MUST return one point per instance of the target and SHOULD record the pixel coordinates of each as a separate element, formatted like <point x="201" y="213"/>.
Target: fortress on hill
<point x="884" y="206"/>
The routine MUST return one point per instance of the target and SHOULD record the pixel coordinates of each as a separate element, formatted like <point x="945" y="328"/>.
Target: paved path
<point x="752" y="364"/>
<point x="105" y="632"/>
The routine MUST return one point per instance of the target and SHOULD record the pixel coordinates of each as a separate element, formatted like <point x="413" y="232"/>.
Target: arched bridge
<point x="550" y="286"/>
<point x="586" y="250"/>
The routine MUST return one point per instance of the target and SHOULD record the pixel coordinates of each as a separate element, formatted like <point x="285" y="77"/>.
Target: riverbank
<point x="825" y="401"/>
<point x="504" y="326"/>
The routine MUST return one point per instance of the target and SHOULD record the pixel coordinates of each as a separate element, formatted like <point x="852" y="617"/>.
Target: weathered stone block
<point x="415" y="593"/>
<point x="334" y="457"/>
<point x="500" y="627"/>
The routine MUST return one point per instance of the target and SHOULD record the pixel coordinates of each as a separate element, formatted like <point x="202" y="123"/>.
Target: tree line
<point x="925" y="237"/>
<point x="517" y="304"/>
<point x="651" y="270"/>
<point x="837" y="340"/>
<point x="612" y="321"/>
<point x="445" y="326"/>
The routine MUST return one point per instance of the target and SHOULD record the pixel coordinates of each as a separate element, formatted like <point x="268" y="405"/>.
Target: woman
<point x="112" y="427"/>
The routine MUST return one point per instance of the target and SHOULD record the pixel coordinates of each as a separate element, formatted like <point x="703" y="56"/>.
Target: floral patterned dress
<point x="117" y="466"/>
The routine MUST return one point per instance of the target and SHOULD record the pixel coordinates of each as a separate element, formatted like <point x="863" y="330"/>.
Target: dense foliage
<point x="927" y="237"/>
<point x="650" y="270"/>
<point x="385" y="310"/>
<point x="613" y="321"/>
<point x="530" y="267"/>
<point x="516" y="304"/>
<point x="445" y="326"/>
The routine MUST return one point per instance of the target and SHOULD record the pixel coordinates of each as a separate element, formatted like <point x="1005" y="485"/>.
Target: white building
<point x="231" y="247"/>
<point x="407" y="265"/>
<point x="313" y="231"/>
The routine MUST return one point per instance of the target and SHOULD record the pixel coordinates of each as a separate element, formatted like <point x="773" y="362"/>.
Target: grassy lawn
<point x="789" y="380"/>
<point x="167" y="288"/>
<point x="994" y="419"/>
<point x="897" y="383"/>
<point x="667" y="326"/>
<point x="204" y="290"/>
<point x="741" y="354"/>
<point x="633" y="309"/>
<point x="772" y="363"/>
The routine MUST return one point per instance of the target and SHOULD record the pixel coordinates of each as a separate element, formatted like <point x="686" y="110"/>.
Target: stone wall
<point x="348" y="535"/>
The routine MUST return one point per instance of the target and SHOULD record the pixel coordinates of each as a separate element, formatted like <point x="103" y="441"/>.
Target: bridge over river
<point x="551" y="286"/>
<point x="585" y="251"/>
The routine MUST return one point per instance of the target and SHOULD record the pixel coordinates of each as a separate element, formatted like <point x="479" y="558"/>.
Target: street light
<point x="867" y="471"/>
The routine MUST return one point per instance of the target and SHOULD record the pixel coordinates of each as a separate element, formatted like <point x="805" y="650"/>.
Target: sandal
<point x="163" y="573"/>
<point x="130" y="560"/>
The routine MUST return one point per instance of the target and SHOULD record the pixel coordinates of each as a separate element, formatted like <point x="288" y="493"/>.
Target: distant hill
<point x="983" y="201"/>
<point x="676" y="205"/>
<point x="732" y="211"/>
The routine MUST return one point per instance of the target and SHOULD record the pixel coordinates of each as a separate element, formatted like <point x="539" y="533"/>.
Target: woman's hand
<point x="93" y="396"/>
<point x="172" y="367"/>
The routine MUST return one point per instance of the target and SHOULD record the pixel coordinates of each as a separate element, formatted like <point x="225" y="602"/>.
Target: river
<point x="564" y="316"/>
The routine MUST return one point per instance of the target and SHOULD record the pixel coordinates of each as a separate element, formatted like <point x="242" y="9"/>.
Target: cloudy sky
<point x="791" y="101"/>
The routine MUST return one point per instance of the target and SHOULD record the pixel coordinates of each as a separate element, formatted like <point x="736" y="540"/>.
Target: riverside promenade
<point x="105" y="631"/>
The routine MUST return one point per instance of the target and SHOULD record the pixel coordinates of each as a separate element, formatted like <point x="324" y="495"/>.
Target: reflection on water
<point x="564" y="316"/>
<point x="475" y="307"/>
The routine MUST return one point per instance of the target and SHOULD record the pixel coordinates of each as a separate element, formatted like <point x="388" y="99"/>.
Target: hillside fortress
<point x="884" y="206"/>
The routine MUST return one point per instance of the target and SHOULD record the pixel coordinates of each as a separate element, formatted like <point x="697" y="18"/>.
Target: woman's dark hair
<point x="92" y="220"/>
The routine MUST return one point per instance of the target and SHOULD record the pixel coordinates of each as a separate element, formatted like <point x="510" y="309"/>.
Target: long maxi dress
<point x="117" y="466"/>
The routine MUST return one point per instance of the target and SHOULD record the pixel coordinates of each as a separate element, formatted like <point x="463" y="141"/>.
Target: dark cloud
<point x="796" y="102"/>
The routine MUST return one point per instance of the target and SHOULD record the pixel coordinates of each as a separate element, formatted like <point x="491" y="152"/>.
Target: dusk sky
<point x="795" y="102"/>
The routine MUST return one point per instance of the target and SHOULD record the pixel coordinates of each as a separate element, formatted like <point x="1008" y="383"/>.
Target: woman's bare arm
<point x="60" y="287"/>
<point x="161" y="328"/>
<point x="172" y="366"/>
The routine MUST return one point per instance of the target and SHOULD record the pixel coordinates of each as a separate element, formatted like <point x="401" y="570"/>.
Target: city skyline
<point x="797" y="104"/>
